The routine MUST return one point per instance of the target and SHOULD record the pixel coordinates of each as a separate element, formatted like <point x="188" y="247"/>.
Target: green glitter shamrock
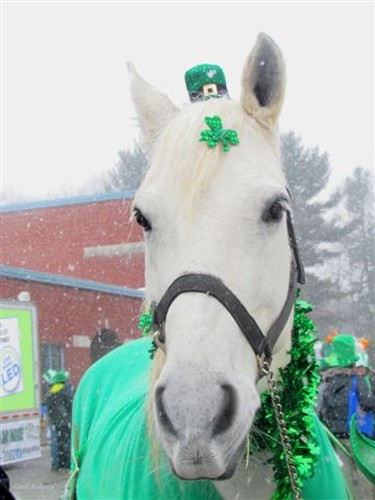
<point x="145" y="324"/>
<point x="218" y="133"/>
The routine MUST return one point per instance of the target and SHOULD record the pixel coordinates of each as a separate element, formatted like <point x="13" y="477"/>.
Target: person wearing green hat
<point x="59" y="408"/>
<point x="341" y="383"/>
<point x="344" y="393"/>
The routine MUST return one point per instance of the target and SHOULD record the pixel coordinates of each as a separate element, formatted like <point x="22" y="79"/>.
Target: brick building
<point x="81" y="262"/>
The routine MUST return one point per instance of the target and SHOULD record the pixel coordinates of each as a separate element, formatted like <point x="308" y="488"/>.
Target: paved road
<point x="33" y="479"/>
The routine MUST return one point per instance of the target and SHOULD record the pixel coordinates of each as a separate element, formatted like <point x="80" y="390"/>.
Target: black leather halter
<point x="261" y="344"/>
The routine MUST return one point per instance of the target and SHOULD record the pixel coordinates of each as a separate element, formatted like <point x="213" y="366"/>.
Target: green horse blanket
<point x="111" y="451"/>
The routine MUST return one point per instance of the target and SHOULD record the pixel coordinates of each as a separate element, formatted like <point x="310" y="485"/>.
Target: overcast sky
<point x="66" y="109"/>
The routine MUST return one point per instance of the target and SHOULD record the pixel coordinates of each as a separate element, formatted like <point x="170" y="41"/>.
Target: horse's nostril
<point x="227" y="411"/>
<point x="161" y="412"/>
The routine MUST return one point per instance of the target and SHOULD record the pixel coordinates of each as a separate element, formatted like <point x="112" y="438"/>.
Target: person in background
<point x="362" y="401"/>
<point x="58" y="401"/>
<point x="104" y="341"/>
<point x="344" y="392"/>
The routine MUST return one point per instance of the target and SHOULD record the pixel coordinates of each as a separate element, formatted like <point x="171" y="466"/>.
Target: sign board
<point x="19" y="383"/>
<point x="19" y="375"/>
<point x="11" y="374"/>
<point x="20" y="440"/>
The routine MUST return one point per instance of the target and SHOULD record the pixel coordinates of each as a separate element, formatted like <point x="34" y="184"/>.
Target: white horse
<point x="222" y="214"/>
<point x="220" y="268"/>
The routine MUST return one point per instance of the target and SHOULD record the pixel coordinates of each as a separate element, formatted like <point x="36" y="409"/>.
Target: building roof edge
<point x="22" y="274"/>
<point x="61" y="202"/>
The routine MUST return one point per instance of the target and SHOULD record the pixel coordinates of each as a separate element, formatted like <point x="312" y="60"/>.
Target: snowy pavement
<point x="33" y="479"/>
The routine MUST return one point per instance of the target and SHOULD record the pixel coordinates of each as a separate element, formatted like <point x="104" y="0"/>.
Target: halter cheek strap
<point x="261" y="344"/>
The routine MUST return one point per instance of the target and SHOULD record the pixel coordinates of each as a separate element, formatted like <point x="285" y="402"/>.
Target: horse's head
<point x="224" y="217"/>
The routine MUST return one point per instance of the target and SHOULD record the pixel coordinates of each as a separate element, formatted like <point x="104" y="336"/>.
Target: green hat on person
<point x="345" y="350"/>
<point x="54" y="377"/>
<point x="49" y="376"/>
<point x="205" y="81"/>
<point x="62" y="376"/>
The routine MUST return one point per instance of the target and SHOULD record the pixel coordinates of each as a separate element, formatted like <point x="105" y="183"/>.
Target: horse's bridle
<point x="261" y="344"/>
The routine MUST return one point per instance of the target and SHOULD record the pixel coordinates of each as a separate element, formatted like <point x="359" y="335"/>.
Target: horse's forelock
<point x="179" y="154"/>
<point x="189" y="164"/>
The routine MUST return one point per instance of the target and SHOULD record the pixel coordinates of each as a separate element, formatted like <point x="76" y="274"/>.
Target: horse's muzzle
<point x="200" y="429"/>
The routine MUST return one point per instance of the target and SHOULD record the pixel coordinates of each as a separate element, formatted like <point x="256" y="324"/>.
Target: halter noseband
<point x="261" y="344"/>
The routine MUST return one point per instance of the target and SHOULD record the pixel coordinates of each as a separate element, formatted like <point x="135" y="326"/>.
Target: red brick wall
<point x="64" y="312"/>
<point x="53" y="239"/>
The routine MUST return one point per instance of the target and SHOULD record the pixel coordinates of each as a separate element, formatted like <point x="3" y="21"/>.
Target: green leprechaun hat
<point x="342" y="353"/>
<point x="54" y="376"/>
<point x="49" y="376"/>
<point x="344" y="346"/>
<point x="205" y="81"/>
<point x="62" y="376"/>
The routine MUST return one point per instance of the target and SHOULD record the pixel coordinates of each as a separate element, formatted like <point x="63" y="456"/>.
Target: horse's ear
<point x="263" y="81"/>
<point x="154" y="109"/>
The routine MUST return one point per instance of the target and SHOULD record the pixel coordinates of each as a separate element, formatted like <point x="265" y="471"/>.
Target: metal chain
<point x="281" y="424"/>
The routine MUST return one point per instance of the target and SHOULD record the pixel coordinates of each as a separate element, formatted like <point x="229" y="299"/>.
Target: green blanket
<point x="112" y="451"/>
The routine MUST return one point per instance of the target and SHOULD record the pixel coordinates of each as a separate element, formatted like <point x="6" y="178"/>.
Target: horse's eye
<point x="141" y="220"/>
<point x="274" y="213"/>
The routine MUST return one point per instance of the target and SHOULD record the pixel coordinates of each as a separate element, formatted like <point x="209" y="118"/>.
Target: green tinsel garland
<point x="298" y="386"/>
<point x="145" y="324"/>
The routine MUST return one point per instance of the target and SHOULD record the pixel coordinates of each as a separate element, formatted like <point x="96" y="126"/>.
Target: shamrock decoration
<point x="218" y="133"/>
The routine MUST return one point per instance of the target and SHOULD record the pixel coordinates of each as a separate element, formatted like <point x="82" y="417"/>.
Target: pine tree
<point x="359" y="274"/>
<point x="308" y="172"/>
<point x="128" y="172"/>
